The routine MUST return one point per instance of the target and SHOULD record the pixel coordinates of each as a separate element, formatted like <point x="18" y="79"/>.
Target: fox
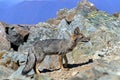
<point x="59" y="47"/>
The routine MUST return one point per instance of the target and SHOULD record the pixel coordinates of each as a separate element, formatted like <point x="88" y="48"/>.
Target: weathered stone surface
<point x="53" y="21"/>
<point x="41" y="77"/>
<point x="70" y="15"/>
<point x="21" y="30"/>
<point x="2" y="29"/>
<point x="4" y="43"/>
<point x="13" y="60"/>
<point x="5" y="72"/>
<point x="62" y="13"/>
<point x="84" y="7"/>
<point x="14" y="38"/>
<point x="40" y="32"/>
<point x="117" y="15"/>
<point x="17" y="75"/>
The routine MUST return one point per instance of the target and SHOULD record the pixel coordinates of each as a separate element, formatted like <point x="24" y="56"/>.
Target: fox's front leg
<point x="66" y="61"/>
<point x="61" y="61"/>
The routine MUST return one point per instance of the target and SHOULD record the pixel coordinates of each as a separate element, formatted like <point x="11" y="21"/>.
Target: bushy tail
<point x="30" y="62"/>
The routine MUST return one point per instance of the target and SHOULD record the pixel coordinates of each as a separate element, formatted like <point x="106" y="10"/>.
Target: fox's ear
<point x="77" y="31"/>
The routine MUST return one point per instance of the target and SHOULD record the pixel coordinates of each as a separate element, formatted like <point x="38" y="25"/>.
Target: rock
<point x="66" y="14"/>
<point x="5" y="72"/>
<point x="17" y="75"/>
<point x="4" y="43"/>
<point x="13" y="60"/>
<point x="75" y="78"/>
<point x="117" y="15"/>
<point x="70" y="16"/>
<point x="74" y="73"/>
<point x="40" y="32"/>
<point x="2" y="29"/>
<point x="111" y="68"/>
<point x="62" y="30"/>
<point x="41" y="77"/>
<point x="101" y="70"/>
<point x="9" y="64"/>
<point x="15" y="38"/>
<point x="20" y="29"/>
<point x="109" y="77"/>
<point x="62" y="13"/>
<point x="2" y="53"/>
<point x="84" y="7"/>
<point x="53" y="21"/>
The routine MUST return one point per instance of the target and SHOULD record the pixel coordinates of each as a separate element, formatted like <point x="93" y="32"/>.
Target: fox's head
<point x="79" y="37"/>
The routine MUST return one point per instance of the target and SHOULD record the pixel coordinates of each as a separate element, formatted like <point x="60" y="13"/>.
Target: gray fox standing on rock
<point x="58" y="47"/>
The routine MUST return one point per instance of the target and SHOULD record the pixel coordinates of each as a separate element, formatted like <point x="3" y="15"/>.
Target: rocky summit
<point x="97" y="59"/>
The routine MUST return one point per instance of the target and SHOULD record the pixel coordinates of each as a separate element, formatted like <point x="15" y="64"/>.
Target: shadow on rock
<point x="68" y="66"/>
<point x="80" y="64"/>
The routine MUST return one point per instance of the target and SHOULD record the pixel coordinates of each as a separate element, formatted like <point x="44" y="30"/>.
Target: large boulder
<point x="4" y="43"/>
<point x="84" y="7"/>
<point x="5" y="72"/>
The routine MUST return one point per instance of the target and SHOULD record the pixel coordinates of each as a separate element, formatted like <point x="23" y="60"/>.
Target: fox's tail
<point x="30" y="62"/>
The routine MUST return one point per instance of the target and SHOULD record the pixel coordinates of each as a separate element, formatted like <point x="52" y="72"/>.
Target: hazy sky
<point x="16" y="12"/>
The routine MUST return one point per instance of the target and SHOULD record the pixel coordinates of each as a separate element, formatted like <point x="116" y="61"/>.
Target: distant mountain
<point x="32" y="12"/>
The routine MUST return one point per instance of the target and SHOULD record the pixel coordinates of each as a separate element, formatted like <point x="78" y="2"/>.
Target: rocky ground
<point x="97" y="59"/>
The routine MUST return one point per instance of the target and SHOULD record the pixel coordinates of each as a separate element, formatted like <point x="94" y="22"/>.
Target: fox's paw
<point x="65" y="69"/>
<point x="65" y="65"/>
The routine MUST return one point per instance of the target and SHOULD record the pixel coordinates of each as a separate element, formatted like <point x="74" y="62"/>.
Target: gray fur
<point x="52" y="47"/>
<point x="30" y="62"/>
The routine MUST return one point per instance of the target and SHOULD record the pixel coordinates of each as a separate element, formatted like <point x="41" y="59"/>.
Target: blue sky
<point x="34" y="11"/>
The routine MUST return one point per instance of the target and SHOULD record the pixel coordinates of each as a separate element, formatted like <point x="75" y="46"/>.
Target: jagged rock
<point x="111" y="68"/>
<point x="17" y="75"/>
<point x="9" y="63"/>
<point x="13" y="60"/>
<point x="62" y="30"/>
<point x="21" y="30"/>
<point x="84" y="7"/>
<point x="53" y="21"/>
<point x="75" y="78"/>
<point x="2" y="53"/>
<point x="62" y="13"/>
<point x="14" y="38"/>
<point x="70" y="15"/>
<point x="5" y="72"/>
<point x="41" y="77"/>
<point x="100" y="71"/>
<point x="117" y="15"/>
<point x="4" y="43"/>
<point x="40" y="32"/>
<point x="66" y="14"/>
<point x="2" y="29"/>
<point x="109" y="77"/>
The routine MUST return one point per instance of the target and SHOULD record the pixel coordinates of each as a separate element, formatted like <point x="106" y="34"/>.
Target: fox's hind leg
<point x="36" y="68"/>
<point x="66" y="61"/>
<point x="39" y="58"/>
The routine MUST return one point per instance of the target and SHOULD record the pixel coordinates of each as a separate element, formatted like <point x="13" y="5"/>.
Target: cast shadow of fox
<point x="70" y="66"/>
